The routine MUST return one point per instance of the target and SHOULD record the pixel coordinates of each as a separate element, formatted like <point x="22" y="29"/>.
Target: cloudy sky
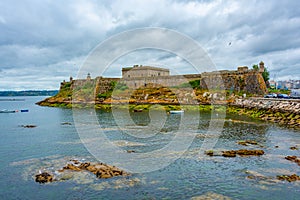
<point x="45" y="42"/>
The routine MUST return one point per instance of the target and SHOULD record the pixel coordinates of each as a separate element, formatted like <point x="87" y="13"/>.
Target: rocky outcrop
<point x="44" y="177"/>
<point x="289" y="178"/>
<point x="234" y="153"/>
<point x="101" y="170"/>
<point x="252" y="175"/>
<point x="247" y="142"/>
<point x="293" y="159"/>
<point x="28" y="126"/>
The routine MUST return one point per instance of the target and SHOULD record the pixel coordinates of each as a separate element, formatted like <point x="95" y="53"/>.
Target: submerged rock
<point x="44" y="177"/>
<point x="29" y="126"/>
<point x="289" y="178"/>
<point x="247" y="142"/>
<point x="233" y="153"/>
<point x="211" y="195"/>
<point x="66" y="123"/>
<point x="294" y="148"/>
<point x="293" y="159"/>
<point x="245" y="152"/>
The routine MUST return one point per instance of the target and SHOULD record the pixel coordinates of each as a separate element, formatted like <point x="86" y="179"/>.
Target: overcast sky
<point x="45" y="42"/>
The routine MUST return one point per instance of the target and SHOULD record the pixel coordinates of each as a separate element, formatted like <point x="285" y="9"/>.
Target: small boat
<point x="24" y="110"/>
<point x="176" y="111"/>
<point x="138" y="110"/>
<point x="7" y="111"/>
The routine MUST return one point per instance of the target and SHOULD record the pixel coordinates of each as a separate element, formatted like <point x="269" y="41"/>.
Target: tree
<point x="255" y="67"/>
<point x="266" y="74"/>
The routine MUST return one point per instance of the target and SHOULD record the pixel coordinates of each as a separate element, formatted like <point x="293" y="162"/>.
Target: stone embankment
<point x="282" y="111"/>
<point x="276" y="105"/>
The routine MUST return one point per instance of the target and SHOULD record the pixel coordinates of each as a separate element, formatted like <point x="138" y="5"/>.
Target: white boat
<point x="7" y="111"/>
<point x="176" y="111"/>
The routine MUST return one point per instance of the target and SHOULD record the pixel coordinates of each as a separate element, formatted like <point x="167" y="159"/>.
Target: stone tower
<point x="261" y="67"/>
<point x="88" y="77"/>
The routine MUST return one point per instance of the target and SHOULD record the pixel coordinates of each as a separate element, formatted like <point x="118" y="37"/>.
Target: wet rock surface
<point x="260" y="178"/>
<point x="247" y="142"/>
<point x="289" y="178"/>
<point x="234" y="153"/>
<point x="294" y="159"/>
<point x="293" y="148"/>
<point x="44" y="177"/>
<point x="66" y="123"/>
<point x="28" y="126"/>
<point x="245" y="152"/>
<point x="101" y="170"/>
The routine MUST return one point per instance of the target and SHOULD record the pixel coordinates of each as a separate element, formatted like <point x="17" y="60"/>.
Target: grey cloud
<point x="55" y="37"/>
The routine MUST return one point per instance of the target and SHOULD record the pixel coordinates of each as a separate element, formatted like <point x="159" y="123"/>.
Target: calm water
<point x="49" y="146"/>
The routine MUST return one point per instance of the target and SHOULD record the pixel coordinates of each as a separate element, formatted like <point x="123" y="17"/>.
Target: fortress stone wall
<point x="242" y="79"/>
<point x="166" y="81"/>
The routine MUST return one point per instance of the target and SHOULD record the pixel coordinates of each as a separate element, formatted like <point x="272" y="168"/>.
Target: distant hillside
<point x="29" y="93"/>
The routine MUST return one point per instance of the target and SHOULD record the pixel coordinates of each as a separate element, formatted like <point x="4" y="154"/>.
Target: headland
<point x="142" y="86"/>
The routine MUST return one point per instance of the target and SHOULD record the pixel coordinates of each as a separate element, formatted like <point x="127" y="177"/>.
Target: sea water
<point x="55" y="140"/>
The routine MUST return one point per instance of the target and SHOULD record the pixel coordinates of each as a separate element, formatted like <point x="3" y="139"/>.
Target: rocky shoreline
<point x="284" y="112"/>
<point x="276" y="105"/>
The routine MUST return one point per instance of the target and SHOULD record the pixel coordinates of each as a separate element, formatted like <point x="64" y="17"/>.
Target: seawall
<point x="282" y="111"/>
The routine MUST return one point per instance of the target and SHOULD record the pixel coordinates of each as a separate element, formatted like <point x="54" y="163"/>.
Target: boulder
<point x="231" y="153"/>
<point x="101" y="170"/>
<point x="289" y="178"/>
<point x="234" y="153"/>
<point x="247" y="142"/>
<point x="245" y="152"/>
<point x="29" y="126"/>
<point x="293" y="159"/>
<point x="44" y="177"/>
<point x="71" y="167"/>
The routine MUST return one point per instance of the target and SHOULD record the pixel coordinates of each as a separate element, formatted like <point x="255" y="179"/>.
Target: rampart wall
<point x="250" y="81"/>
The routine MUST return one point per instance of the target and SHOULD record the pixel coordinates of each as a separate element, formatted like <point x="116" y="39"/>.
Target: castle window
<point x="128" y="76"/>
<point x="158" y="73"/>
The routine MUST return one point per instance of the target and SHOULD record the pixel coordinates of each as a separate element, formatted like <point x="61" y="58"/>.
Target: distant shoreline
<point x="28" y="93"/>
<point x="12" y="99"/>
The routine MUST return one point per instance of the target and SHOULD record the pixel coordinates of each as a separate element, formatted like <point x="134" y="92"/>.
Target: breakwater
<point x="282" y="111"/>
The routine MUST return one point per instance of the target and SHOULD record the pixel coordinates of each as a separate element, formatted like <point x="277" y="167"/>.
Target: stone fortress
<point x="242" y="79"/>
